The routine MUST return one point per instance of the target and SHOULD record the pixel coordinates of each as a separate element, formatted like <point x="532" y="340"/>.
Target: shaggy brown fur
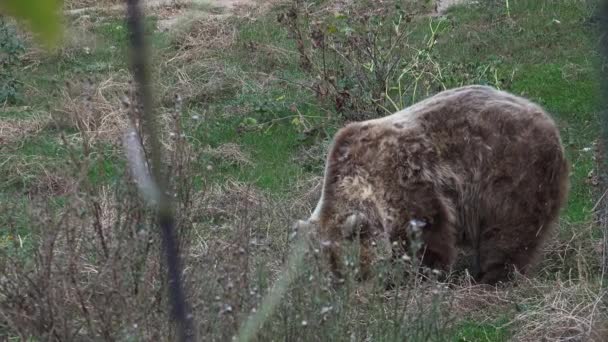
<point x="471" y="167"/>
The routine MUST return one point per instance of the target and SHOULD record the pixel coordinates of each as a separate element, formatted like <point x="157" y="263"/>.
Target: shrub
<point x="359" y="57"/>
<point x="11" y="47"/>
<point x="367" y="60"/>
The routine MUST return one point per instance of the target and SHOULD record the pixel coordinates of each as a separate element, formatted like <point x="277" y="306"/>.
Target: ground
<point x="250" y="164"/>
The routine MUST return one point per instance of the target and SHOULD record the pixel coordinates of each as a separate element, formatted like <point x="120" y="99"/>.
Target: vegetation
<point x="248" y="104"/>
<point x="12" y="47"/>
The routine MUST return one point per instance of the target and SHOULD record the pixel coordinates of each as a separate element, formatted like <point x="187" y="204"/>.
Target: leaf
<point x="249" y="121"/>
<point x="43" y="17"/>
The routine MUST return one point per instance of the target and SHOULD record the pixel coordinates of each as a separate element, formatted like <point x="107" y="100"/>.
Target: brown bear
<point x="469" y="168"/>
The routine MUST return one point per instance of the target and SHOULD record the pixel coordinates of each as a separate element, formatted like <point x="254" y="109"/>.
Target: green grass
<point x="20" y="222"/>
<point x="270" y="143"/>
<point x="106" y="168"/>
<point x="266" y="33"/>
<point x="470" y="331"/>
<point x="271" y="151"/>
<point x="20" y="112"/>
<point x="114" y="32"/>
<point x="22" y="164"/>
<point x="535" y="31"/>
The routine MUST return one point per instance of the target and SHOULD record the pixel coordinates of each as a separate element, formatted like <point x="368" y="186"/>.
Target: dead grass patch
<point x="93" y="109"/>
<point x="231" y="153"/>
<point x="193" y="69"/>
<point x="200" y="37"/>
<point x="600" y="332"/>
<point x="78" y="4"/>
<point x="73" y="4"/>
<point x="560" y="311"/>
<point x="481" y="301"/>
<point x="540" y="310"/>
<point x="313" y="155"/>
<point x="37" y="172"/>
<point x="267" y="58"/>
<point x="573" y="252"/>
<point x="223" y="200"/>
<point x="101" y="111"/>
<point x="12" y="129"/>
<point x="201" y="82"/>
<point x="50" y="184"/>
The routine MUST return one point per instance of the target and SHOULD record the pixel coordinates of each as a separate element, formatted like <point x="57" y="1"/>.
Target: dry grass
<point x="51" y="183"/>
<point x="101" y="111"/>
<point x="220" y="200"/>
<point x="541" y="310"/>
<point x="201" y="81"/>
<point x="193" y="68"/>
<point x="573" y="252"/>
<point x="94" y="109"/>
<point x="231" y="153"/>
<point x="560" y="311"/>
<point x="14" y="129"/>
<point x="76" y="4"/>
<point x="73" y="4"/>
<point x="199" y="36"/>
<point x="306" y="194"/>
<point x="40" y="176"/>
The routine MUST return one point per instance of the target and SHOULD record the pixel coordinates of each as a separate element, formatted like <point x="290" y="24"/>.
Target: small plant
<point x="11" y="47"/>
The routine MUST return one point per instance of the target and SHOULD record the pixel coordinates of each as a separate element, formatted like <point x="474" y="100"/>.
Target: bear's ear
<point x="353" y="222"/>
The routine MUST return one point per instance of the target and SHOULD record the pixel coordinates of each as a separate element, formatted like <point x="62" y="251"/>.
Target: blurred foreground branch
<point x="154" y="186"/>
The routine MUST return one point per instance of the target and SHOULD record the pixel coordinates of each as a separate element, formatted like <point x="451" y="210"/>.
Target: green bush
<point x="11" y="48"/>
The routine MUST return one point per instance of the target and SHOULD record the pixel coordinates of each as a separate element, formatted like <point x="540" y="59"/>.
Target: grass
<point x="272" y="151"/>
<point x="251" y="179"/>
<point x="473" y="331"/>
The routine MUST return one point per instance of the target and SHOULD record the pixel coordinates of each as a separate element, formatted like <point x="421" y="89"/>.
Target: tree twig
<point x="180" y="311"/>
